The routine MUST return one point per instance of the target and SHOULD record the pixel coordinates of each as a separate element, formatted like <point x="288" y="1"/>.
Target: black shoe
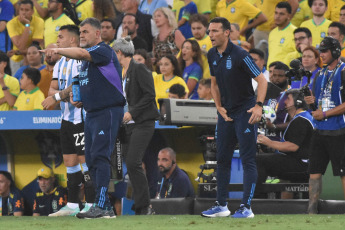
<point x="96" y="212"/>
<point x="146" y="211"/>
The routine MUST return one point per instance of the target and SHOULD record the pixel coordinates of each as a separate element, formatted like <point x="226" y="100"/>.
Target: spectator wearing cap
<point x="11" y="199"/>
<point x="50" y="197"/>
<point x="56" y="20"/>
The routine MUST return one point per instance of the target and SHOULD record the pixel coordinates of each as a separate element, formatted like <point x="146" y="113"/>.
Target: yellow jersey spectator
<point x="240" y="12"/>
<point x="23" y="30"/>
<point x="318" y="25"/>
<point x="302" y="14"/>
<point x="83" y="8"/>
<point x="204" y="7"/>
<point x="31" y="97"/>
<point x="280" y="41"/>
<point x="333" y="10"/>
<point x="56" y="20"/>
<point x="337" y="31"/>
<point x="199" y="25"/>
<point x="170" y="75"/>
<point x="267" y="7"/>
<point x="9" y="86"/>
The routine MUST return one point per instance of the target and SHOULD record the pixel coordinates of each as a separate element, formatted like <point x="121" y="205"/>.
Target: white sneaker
<point x="66" y="211"/>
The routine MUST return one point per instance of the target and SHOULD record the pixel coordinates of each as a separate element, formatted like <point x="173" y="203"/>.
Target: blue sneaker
<point x="243" y="212"/>
<point x="217" y="211"/>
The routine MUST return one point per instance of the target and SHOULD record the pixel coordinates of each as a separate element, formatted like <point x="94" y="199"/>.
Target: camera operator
<point x="291" y="163"/>
<point x="328" y="141"/>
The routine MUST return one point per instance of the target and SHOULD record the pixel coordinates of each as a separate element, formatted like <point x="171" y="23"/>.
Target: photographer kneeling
<point x="292" y="161"/>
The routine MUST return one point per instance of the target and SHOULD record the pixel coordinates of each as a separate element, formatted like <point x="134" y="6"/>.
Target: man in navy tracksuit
<point x="102" y="98"/>
<point x="232" y="70"/>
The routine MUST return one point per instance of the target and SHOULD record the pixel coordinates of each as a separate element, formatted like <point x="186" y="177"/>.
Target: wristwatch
<point x="5" y="88"/>
<point x="259" y="103"/>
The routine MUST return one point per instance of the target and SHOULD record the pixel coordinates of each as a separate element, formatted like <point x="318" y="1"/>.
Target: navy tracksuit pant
<point x="228" y="134"/>
<point x="101" y="128"/>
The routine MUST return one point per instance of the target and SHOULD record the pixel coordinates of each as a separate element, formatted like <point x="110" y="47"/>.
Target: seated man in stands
<point x="50" y="197"/>
<point x="31" y="97"/>
<point x="291" y="163"/>
<point x="174" y="182"/>
<point x="11" y="200"/>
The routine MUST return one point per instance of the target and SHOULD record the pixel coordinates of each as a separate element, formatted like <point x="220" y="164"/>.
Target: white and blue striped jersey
<point x="63" y="72"/>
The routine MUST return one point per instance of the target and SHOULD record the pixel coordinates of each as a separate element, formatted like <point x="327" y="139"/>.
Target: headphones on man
<point x="332" y="44"/>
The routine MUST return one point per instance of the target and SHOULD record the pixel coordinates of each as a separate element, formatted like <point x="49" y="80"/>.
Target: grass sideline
<point x="189" y="222"/>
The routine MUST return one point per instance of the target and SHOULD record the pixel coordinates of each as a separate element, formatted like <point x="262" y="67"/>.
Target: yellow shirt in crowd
<point x="162" y="87"/>
<point x="280" y="43"/>
<point x="84" y="10"/>
<point x="30" y="100"/>
<point x="302" y="14"/>
<point x="13" y="84"/>
<point x="205" y="45"/>
<point x="319" y="32"/>
<point x="333" y="10"/>
<point x="51" y="28"/>
<point x="238" y="11"/>
<point x="267" y="7"/>
<point x="15" y="28"/>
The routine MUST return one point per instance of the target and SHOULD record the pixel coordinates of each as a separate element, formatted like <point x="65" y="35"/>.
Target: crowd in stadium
<point x="170" y="37"/>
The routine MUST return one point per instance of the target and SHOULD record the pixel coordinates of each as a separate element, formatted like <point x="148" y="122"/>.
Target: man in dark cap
<point x="328" y="141"/>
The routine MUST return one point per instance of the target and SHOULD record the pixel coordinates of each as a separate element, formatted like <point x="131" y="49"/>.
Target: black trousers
<point x="282" y="166"/>
<point x="137" y="138"/>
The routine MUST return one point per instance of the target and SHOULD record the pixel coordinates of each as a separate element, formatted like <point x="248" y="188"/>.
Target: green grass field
<point x="162" y="222"/>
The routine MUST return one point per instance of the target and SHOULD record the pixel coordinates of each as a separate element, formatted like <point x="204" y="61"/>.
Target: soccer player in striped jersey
<point x="72" y="125"/>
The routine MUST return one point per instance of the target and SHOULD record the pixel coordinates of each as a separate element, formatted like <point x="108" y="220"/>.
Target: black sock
<point x="74" y="181"/>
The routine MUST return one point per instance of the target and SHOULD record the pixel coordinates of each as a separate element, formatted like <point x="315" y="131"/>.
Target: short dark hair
<point x="135" y="17"/>
<point x="178" y="89"/>
<point x="259" y="52"/>
<point x="109" y="20"/>
<point x="71" y="28"/>
<point x="281" y="66"/>
<point x="273" y="64"/>
<point x="343" y="7"/>
<point x="94" y="22"/>
<point x="285" y="5"/>
<point x="339" y="25"/>
<point x="225" y="23"/>
<point x="310" y="2"/>
<point x="23" y="2"/>
<point x="33" y="74"/>
<point x="198" y="18"/>
<point x="298" y="97"/>
<point x="303" y="30"/>
<point x="205" y="82"/>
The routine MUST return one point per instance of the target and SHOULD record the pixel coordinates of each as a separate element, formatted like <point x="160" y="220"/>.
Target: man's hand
<point x="23" y="19"/>
<point x="77" y="104"/>
<point x="262" y="139"/>
<point x="50" y="52"/>
<point x="318" y="115"/>
<point x="309" y="100"/>
<point x="126" y="117"/>
<point x="222" y="111"/>
<point x="124" y="32"/>
<point x="256" y="112"/>
<point x="48" y="102"/>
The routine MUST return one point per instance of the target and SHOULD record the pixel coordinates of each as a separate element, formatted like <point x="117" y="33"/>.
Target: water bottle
<point x="76" y="89"/>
